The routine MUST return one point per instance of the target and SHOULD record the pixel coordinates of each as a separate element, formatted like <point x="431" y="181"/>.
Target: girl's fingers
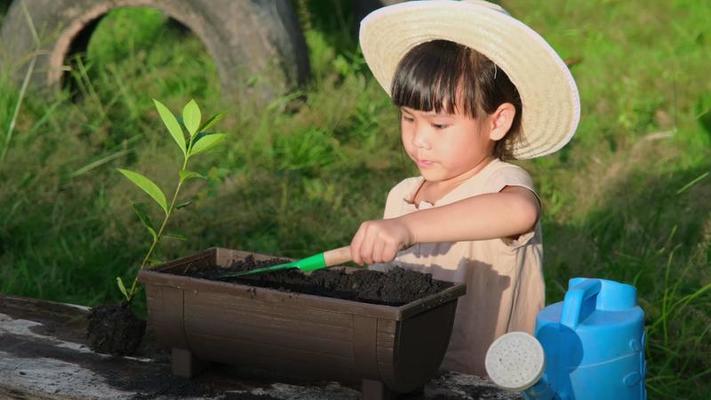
<point x="356" y="245"/>
<point x="389" y="253"/>
<point x="378" y="249"/>
<point x="375" y="241"/>
<point x="366" y="249"/>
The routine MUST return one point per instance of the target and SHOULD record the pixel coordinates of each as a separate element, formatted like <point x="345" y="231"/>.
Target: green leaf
<point x="185" y="175"/>
<point x="172" y="124"/>
<point x="210" y="122"/>
<point x="121" y="287"/>
<point x="183" y="204"/>
<point x="176" y="236"/>
<point x="145" y="220"/>
<point x="207" y="142"/>
<point x="197" y="137"/>
<point x="191" y="117"/>
<point x="155" y="261"/>
<point x="147" y="186"/>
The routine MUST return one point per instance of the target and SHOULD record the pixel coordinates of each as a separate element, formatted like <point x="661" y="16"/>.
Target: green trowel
<point x="326" y="259"/>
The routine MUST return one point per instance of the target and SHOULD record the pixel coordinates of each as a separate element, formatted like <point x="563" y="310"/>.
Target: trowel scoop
<point x="326" y="259"/>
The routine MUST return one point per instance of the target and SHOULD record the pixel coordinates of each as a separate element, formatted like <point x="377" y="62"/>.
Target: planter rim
<point x="160" y="277"/>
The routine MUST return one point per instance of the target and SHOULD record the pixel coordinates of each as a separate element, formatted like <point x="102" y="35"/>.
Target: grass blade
<point x="95" y="164"/>
<point x="692" y="183"/>
<point x="25" y="83"/>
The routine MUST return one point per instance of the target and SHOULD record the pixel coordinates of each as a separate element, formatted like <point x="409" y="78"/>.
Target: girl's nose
<point x="421" y="139"/>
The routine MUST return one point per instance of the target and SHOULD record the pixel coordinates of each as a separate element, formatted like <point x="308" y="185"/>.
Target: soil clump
<point x="395" y="287"/>
<point x="114" y="329"/>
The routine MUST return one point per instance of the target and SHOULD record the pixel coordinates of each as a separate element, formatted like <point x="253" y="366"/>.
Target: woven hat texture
<point x="549" y="95"/>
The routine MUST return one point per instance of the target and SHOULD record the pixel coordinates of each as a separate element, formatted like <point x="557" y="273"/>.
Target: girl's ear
<point x="501" y="120"/>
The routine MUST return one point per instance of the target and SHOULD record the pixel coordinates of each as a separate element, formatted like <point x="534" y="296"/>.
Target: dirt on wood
<point x="114" y="329"/>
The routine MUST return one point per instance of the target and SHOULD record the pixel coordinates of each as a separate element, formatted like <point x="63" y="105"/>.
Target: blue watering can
<point x="590" y="346"/>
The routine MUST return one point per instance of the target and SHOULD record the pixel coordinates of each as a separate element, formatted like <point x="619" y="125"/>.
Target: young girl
<point x="474" y="87"/>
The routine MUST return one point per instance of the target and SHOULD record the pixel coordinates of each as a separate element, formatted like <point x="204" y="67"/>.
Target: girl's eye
<point x="407" y="118"/>
<point x="439" y="126"/>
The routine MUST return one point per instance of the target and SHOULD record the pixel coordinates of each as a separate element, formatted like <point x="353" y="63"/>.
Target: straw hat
<point x="549" y="96"/>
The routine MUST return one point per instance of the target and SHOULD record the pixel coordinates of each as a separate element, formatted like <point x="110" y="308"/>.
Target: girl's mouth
<point x="424" y="163"/>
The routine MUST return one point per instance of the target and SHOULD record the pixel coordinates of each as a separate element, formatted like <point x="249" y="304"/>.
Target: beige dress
<point x="505" y="288"/>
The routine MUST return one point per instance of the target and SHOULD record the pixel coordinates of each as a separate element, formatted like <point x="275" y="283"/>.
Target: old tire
<point x="246" y="39"/>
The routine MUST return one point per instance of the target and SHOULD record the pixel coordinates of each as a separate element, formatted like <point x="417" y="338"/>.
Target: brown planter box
<point x="384" y="348"/>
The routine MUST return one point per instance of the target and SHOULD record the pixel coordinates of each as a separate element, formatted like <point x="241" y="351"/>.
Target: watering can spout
<point x="540" y="391"/>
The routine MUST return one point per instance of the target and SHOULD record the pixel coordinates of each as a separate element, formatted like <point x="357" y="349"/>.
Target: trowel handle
<point x="337" y="256"/>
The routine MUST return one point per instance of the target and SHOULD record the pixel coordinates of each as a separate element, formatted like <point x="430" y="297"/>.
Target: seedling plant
<point x="196" y="141"/>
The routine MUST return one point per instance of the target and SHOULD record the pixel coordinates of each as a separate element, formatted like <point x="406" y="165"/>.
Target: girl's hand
<point x="380" y="240"/>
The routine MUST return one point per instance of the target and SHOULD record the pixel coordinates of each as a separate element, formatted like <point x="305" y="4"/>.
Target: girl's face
<point x="445" y="146"/>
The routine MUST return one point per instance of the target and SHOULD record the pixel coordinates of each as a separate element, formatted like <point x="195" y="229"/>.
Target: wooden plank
<point x="365" y="346"/>
<point x="385" y="346"/>
<point x="43" y="356"/>
<point x="248" y="320"/>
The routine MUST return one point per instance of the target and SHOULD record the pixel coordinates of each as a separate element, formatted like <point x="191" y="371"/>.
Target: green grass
<point x="627" y="200"/>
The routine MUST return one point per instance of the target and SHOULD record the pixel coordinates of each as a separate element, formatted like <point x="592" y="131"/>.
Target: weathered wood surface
<point x="43" y="355"/>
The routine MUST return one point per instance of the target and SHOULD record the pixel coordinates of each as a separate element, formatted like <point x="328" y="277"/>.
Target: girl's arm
<point x="508" y="213"/>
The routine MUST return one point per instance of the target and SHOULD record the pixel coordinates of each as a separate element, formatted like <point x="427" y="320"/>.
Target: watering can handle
<point x="574" y="299"/>
<point x="337" y="256"/>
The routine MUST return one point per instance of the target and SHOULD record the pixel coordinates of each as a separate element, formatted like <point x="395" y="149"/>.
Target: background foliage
<point x="628" y="199"/>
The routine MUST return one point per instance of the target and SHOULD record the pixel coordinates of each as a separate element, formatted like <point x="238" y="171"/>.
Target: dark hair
<point x="436" y="75"/>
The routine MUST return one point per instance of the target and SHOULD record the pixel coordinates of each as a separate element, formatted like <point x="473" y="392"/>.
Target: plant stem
<point x="132" y="291"/>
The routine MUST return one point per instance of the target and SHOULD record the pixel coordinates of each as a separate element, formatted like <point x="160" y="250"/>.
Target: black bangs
<point x="428" y="78"/>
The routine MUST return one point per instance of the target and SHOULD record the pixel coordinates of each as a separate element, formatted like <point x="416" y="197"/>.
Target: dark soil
<point x="395" y="287"/>
<point x="114" y="329"/>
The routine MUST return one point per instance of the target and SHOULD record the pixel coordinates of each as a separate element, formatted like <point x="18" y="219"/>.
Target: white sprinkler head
<point x="515" y="361"/>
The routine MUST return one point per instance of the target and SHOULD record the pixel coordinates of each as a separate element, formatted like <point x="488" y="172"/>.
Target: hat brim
<point x="549" y="96"/>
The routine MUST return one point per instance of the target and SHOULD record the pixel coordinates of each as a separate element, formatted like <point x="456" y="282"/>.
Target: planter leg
<point x="185" y="364"/>
<point x="375" y="390"/>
